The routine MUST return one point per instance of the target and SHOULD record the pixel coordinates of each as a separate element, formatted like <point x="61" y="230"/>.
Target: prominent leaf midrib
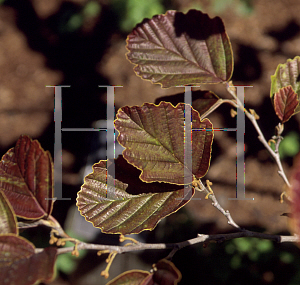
<point x="155" y="210"/>
<point x="188" y="75"/>
<point x="163" y="27"/>
<point x="184" y="60"/>
<point x="195" y="63"/>
<point x="163" y="60"/>
<point x="103" y="213"/>
<point x="130" y="215"/>
<point x="193" y="54"/>
<point x="154" y="138"/>
<point x="145" y="202"/>
<point x="159" y="143"/>
<point x="153" y="160"/>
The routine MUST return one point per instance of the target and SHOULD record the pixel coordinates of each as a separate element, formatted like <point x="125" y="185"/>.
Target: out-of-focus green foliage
<point x="240" y="7"/>
<point x="73" y="20"/>
<point x="290" y="145"/>
<point x="250" y="247"/>
<point x="132" y="12"/>
<point x="91" y="9"/>
<point x="67" y="262"/>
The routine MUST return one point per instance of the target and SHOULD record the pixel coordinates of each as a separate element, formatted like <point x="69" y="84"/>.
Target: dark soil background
<point x="57" y="42"/>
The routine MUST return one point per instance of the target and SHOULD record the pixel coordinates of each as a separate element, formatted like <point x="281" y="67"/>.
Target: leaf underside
<point x="285" y="103"/>
<point x="26" y="178"/>
<point x="121" y="212"/>
<point x="287" y="74"/>
<point x="153" y="137"/>
<point x="165" y="273"/>
<point x="179" y="49"/>
<point x="21" y="265"/>
<point x="132" y="277"/>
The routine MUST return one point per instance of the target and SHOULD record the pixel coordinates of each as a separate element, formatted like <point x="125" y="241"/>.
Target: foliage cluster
<point x="167" y="152"/>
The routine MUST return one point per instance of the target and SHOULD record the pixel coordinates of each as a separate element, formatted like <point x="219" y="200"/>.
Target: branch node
<point x="254" y="114"/>
<point x="62" y="241"/>
<point x="172" y="253"/>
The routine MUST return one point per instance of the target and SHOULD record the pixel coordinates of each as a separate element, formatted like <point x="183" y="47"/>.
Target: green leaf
<point x="21" y="265"/>
<point x="26" y="178"/>
<point x="132" y="277"/>
<point x="285" y="75"/>
<point x="123" y="212"/>
<point x="180" y="49"/>
<point x="285" y="103"/>
<point x="91" y="9"/>
<point x="154" y="140"/>
<point x="8" y="221"/>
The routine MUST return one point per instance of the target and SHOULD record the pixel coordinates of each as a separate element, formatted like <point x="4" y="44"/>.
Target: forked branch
<point x="176" y="246"/>
<point x="252" y="116"/>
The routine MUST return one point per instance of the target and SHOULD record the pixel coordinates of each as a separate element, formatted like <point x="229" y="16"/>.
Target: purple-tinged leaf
<point x="154" y="140"/>
<point x="19" y="264"/>
<point x="285" y="103"/>
<point x="180" y="49"/>
<point x="122" y="212"/>
<point x="132" y="277"/>
<point x="165" y="273"/>
<point x="26" y="178"/>
<point x="287" y="74"/>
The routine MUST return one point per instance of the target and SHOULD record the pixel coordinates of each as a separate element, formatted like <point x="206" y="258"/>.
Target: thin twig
<point x="176" y="246"/>
<point x="210" y="194"/>
<point x="217" y="105"/>
<point x="261" y="137"/>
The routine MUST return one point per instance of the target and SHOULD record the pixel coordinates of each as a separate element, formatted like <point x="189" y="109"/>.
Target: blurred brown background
<point x="82" y="43"/>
